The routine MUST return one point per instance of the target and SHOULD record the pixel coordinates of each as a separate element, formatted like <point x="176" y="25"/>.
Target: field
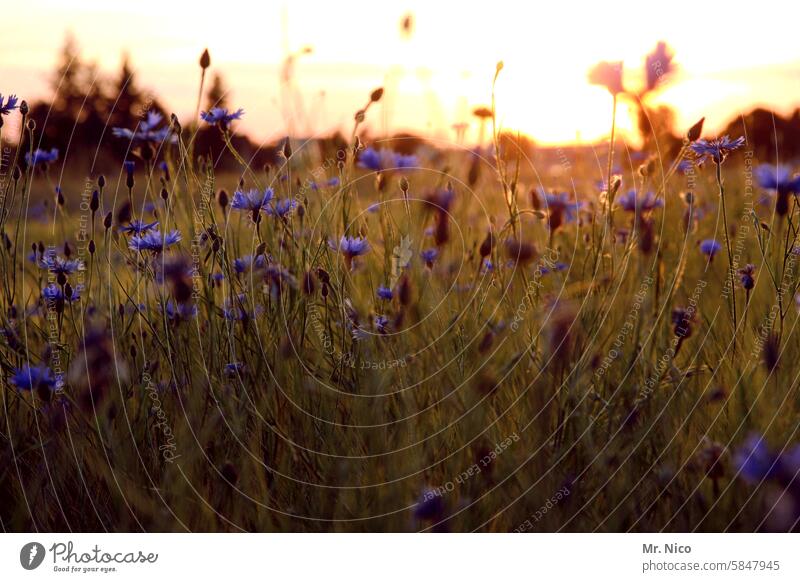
<point x="354" y="339"/>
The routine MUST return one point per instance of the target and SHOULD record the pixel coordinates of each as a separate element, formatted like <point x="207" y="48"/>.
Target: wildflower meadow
<point x="371" y="332"/>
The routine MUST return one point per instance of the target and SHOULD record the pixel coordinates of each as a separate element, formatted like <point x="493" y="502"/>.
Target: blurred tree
<point x="217" y="94"/>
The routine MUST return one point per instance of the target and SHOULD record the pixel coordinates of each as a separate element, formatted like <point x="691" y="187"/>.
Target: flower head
<point x="608" y="75"/>
<point x="647" y="202"/>
<point x="248" y="263"/>
<point x="281" y="208"/>
<point x="147" y="130"/>
<point x="747" y="276"/>
<point x="559" y="207"/>
<point x="429" y="256"/>
<point x="59" y="265"/>
<point x="54" y="293"/>
<point x="252" y="200"/>
<point x="382" y="160"/>
<point x="154" y="241"/>
<point x="754" y="460"/>
<point x="658" y="65"/>
<point x="180" y="311"/>
<point x="710" y="247"/>
<point x="715" y="149"/>
<point x="39" y="378"/>
<point x="780" y="180"/>
<point x="351" y="247"/>
<point x="220" y="116"/>
<point x="9" y="105"/>
<point x="41" y="157"/>
<point x="138" y="227"/>
<point x="385" y="293"/>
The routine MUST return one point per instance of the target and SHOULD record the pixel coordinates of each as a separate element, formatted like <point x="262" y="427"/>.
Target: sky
<point x="731" y="57"/>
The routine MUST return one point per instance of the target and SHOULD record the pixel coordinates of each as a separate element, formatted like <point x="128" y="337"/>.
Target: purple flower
<point x="710" y="247"/>
<point x="381" y="323"/>
<point x="385" y="293"/>
<point x="234" y="369"/>
<point x="350" y="247"/>
<point x="54" y="293"/>
<point x="220" y="116"/>
<point x="154" y="241"/>
<point x="246" y="263"/>
<point x="746" y="276"/>
<point x="252" y="200"/>
<point x="138" y="227"/>
<point x="716" y="149"/>
<point x="280" y="208"/>
<point x="59" y="265"/>
<point x="559" y="207"/>
<point x="429" y="506"/>
<point x="9" y="105"/>
<point x="41" y="157"/>
<point x="754" y="460"/>
<point x="778" y="178"/>
<point x="332" y="183"/>
<point x="383" y="160"/>
<point x="147" y="130"/>
<point x="40" y="377"/>
<point x="658" y="65"/>
<point x="429" y="256"/>
<point x="180" y="311"/>
<point x="237" y="310"/>
<point x="647" y="202"/>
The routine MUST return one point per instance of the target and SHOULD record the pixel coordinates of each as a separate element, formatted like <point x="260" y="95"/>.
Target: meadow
<point x="357" y="339"/>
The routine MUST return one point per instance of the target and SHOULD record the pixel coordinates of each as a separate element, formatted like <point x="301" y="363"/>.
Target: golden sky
<point x="731" y="57"/>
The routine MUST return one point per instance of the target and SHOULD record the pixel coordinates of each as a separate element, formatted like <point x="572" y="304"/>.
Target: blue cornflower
<point x="385" y="293"/>
<point x="647" y="202"/>
<point x="280" y="208"/>
<point x="238" y="311"/>
<point x="252" y="200"/>
<point x="754" y="460"/>
<point x="557" y="266"/>
<point x="381" y="323"/>
<point x="778" y="179"/>
<point x="487" y="266"/>
<point x="716" y="149"/>
<point x="710" y="247"/>
<point x="382" y="160"/>
<point x="9" y="105"/>
<point x="180" y="311"/>
<point x="147" y="130"/>
<point x="430" y="505"/>
<point x="59" y="265"/>
<point x="28" y="378"/>
<point x="429" y="256"/>
<point x="55" y="293"/>
<point x="560" y="208"/>
<point x="41" y="156"/>
<point x="234" y="368"/>
<point x="129" y="166"/>
<point x="246" y="263"/>
<point x="658" y="65"/>
<point x="138" y="227"/>
<point x="220" y="116"/>
<point x="154" y="241"/>
<point x="332" y="183"/>
<point x="350" y="247"/>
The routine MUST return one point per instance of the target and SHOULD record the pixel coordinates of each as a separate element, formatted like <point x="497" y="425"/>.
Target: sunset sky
<point x="729" y="59"/>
